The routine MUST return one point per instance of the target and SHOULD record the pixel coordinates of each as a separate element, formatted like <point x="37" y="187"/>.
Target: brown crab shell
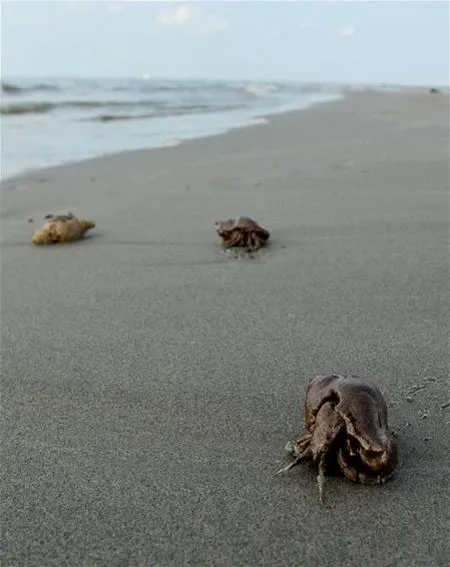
<point x="363" y="410"/>
<point x="61" y="229"/>
<point x="242" y="232"/>
<point x="347" y="423"/>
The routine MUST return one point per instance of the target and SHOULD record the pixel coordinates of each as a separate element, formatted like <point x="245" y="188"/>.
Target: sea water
<point x="52" y="121"/>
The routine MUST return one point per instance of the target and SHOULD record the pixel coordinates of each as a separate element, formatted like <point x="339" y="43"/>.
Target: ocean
<point x="54" y="121"/>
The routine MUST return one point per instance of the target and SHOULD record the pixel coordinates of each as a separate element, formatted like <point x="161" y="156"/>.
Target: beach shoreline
<point x="63" y="121"/>
<point x="229" y="122"/>
<point x="150" y="381"/>
<point x="229" y="125"/>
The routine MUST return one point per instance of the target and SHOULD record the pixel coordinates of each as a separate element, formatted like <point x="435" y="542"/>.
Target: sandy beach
<point x="150" y="381"/>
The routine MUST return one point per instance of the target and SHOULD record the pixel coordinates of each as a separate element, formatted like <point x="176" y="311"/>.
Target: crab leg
<point x="230" y="240"/>
<point x="245" y="238"/>
<point x="235" y="239"/>
<point x="288" y="467"/>
<point x="321" y="477"/>
<point x="251" y="240"/>
<point x="302" y="453"/>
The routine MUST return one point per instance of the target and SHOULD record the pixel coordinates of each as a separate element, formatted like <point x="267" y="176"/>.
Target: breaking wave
<point x="180" y="111"/>
<point x="137" y="99"/>
<point x="157" y="109"/>
<point x="11" y="88"/>
<point x="26" y="108"/>
<point x="32" y="107"/>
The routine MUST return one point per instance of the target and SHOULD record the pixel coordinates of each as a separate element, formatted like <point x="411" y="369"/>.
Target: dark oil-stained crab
<point x="241" y="232"/>
<point x="348" y="433"/>
<point x="61" y="229"/>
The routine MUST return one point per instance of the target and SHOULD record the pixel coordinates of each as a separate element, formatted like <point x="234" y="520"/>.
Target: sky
<point x="377" y="41"/>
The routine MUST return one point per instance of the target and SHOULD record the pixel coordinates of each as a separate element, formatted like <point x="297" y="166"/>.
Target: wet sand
<point x="150" y="381"/>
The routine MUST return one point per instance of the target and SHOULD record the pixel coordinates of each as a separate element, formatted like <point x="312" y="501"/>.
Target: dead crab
<point x="61" y="228"/>
<point x="241" y="232"/>
<point x="348" y="433"/>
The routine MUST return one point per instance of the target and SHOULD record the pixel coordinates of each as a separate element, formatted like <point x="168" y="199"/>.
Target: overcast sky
<point x="366" y="41"/>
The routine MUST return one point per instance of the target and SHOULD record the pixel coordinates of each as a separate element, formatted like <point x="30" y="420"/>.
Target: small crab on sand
<point x="348" y="433"/>
<point x="61" y="229"/>
<point x="241" y="232"/>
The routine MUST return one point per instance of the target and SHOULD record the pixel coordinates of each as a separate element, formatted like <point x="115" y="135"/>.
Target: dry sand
<point x="150" y="381"/>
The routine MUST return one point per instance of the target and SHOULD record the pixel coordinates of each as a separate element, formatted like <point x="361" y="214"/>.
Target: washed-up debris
<point x="60" y="229"/>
